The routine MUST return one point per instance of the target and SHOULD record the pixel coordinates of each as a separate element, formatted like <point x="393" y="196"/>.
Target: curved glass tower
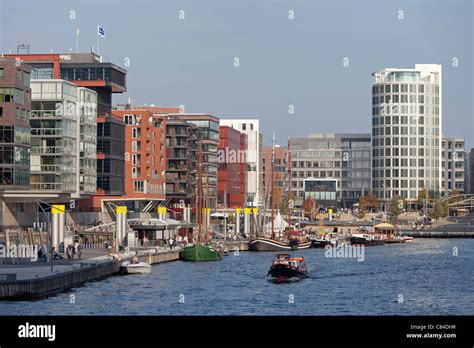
<point x="406" y="132"/>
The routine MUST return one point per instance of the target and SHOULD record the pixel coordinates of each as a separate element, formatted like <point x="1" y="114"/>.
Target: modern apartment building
<point x="232" y="169"/>
<point x="339" y="162"/>
<point x="251" y="127"/>
<point x="208" y="132"/>
<point x="453" y="165"/>
<point x="145" y="160"/>
<point x="181" y="157"/>
<point x="62" y="149"/>
<point x="406" y="132"/>
<point x="15" y="105"/>
<point x="88" y="70"/>
<point x="280" y="173"/>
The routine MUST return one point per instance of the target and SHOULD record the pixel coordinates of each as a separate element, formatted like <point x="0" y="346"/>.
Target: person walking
<point x="68" y="252"/>
<point x="79" y="251"/>
<point x="171" y="243"/>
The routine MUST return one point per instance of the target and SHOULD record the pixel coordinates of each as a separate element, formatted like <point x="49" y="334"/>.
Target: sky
<point x="291" y="54"/>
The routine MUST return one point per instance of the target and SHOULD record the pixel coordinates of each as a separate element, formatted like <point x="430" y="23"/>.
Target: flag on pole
<point x="100" y="31"/>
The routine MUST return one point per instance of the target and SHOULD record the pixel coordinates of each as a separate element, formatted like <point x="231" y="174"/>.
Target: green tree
<point x="440" y="209"/>
<point x="394" y="206"/>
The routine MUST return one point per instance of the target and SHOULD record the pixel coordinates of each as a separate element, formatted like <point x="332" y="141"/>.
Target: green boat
<point x="200" y="252"/>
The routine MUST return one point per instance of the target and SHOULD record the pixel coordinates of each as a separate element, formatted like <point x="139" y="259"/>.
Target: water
<point x="431" y="280"/>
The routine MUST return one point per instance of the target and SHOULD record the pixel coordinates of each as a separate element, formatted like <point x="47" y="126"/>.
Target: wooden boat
<point x="285" y="268"/>
<point x="267" y="244"/>
<point x="407" y="239"/>
<point x="201" y="252"/>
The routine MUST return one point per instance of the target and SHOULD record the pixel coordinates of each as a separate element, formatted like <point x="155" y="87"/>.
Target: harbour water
<point x="426" y="277"/>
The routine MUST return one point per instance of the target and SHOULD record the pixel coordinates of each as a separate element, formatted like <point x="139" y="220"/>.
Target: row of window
<point x="405" y="88"/>
<point x="406" y="151"/>
<point x="14" y="95"/>
<point x="405" y="173"/>
<point x="424" y="131"/>
<point x="403" y="162"/>
<point x="396" y="109"/>
<point x="401" y="120"/>
<point x="405" y="99"/>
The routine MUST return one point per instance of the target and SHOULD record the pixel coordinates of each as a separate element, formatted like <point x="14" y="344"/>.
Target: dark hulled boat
<point x="367" y="239"/>
<point x="285" y="268"/>
<point x="267" y="244"/>
<point x="320" y="241"/>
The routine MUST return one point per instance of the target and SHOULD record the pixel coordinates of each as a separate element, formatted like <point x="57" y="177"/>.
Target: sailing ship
<point x="285" y="268"/>
<point x="202" y="250"/>
<point x="289" y="242"/>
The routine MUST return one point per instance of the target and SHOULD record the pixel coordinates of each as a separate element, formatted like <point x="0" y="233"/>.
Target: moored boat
<point x="285" y="268"/>
<point x="367" y="239"/>
<point x="320" y="241"/>
<point x="201" y="252"/>
<point x="407" y="239"/>
<point x="267" y="244"/>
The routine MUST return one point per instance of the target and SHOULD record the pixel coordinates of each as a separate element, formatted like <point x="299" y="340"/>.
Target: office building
<point x="406" y="132"/>
<point x="453" y="165"/>
<point x="336" y="163"/>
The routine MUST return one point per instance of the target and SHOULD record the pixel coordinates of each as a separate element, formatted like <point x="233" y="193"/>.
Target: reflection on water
<point x="425" y="273"/>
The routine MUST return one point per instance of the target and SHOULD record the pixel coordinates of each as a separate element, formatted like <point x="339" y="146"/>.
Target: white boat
<point x="407" y="239"/>
<point x="127" y="267"/>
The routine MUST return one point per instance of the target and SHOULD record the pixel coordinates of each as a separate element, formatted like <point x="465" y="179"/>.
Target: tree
<point x="423" y="197"/>
<point x="440" y="209"/>
<point x="372" y="201"/>
<point x="394" y="206"/>
<point x="310" y="208"/>
<point x="362" y="206"/>
<point x="368" y="202"/>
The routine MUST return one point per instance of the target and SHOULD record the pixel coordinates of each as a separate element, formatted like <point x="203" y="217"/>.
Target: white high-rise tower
<point x="406" y="132"/>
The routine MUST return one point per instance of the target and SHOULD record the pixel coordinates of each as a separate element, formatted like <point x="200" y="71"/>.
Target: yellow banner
<point x="237" y="210"/>
<point x="246" y="210"/>
<point x="255" y="211"/>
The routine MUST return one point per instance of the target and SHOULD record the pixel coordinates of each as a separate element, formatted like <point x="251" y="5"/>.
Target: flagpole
<point x="77" y="40"/>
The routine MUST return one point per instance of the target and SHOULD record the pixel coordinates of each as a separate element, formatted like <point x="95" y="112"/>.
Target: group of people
<point x="179" y="242"/>
<point x="71" y="251"/>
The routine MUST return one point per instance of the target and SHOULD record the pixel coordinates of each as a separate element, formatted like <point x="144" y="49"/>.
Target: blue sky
<point x="282" y="61"/>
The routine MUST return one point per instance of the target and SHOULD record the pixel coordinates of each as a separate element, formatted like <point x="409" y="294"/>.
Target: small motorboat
<point x="285" y="268"/>
<point x="320" y="241"/>
<point x="407" y="239"/>
<point x="134" y="266"/>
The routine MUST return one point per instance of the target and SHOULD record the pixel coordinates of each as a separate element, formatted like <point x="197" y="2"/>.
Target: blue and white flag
<point x="100" y="31"/>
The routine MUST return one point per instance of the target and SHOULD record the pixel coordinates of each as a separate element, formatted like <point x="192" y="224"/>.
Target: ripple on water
<point x="431" y="279"/>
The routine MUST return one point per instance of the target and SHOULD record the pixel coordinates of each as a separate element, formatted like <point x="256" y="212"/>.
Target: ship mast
<point x="199" y="191"/>
<point x="289" y="184"/>
<point x="207" y="206"/>
<point x="273" y="187"/>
